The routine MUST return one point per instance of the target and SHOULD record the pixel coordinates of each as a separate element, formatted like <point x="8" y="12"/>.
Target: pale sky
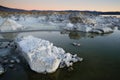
<point x="98" y="5"/>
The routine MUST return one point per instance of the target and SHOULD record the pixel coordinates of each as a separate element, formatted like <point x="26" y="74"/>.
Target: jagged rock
<point x="42" y="56"/>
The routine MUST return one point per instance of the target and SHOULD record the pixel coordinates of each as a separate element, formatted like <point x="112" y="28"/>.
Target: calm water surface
<point x="101" y="55"/>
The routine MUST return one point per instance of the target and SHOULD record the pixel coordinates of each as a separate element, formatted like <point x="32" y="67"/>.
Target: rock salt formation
<point x="80" y="21"/>
<point x="10" y="25"/>
<point x="92" y="23"/>
<point x="42" y="56"/>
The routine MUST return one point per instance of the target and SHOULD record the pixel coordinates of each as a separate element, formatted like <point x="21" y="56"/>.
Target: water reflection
<point x="17" y="73"/>
<point x="78" y="35"/>
<point x="9" y="35"/>
<point x="74" y="35"/>
<point x="38" y="76"/>
<point x="71" y="34"/>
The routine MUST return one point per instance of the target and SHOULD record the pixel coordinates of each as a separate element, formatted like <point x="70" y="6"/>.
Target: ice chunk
<point x="42" y="56"/>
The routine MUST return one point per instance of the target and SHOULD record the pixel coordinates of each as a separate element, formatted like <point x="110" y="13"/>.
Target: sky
<point x="93" y="5"/>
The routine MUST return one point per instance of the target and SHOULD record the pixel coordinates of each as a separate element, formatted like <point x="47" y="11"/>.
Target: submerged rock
<point x="42" y="56"/>
<point x="76" y="44"/>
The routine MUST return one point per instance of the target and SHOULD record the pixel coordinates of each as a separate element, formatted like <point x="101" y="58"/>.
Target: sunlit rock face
<point x="42" y="56"/>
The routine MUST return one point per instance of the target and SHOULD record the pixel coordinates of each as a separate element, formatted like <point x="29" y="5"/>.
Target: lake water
<point x="101" y="54"/>
<point x="112" y="15"/>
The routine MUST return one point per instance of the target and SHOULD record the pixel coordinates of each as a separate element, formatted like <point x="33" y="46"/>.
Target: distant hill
<point x="6" y="9"/>
<point x="109" y="13"/>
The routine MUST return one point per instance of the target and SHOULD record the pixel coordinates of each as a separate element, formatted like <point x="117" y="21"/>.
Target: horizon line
<point x="56" y="9"/>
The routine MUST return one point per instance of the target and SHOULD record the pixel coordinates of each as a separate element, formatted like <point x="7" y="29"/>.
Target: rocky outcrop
<point x="80" y="21"/>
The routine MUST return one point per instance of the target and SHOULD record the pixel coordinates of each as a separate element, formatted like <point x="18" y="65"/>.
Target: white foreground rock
<point x="10" y="25"/>
<point x="42" y="56"/>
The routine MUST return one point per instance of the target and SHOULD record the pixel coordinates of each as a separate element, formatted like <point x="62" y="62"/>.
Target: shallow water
<point x="101" y="55"/>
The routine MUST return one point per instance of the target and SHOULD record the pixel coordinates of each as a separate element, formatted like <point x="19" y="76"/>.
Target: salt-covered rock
<point x="70" y="25"/>
<point x="84" y="28"/>
<point x="69" y="21"/>
<point x="42" y="56"/>
<point x="96" y="31"/>
<point x="105" y="30"/>
<point x="10" y="25"/>
<point x="81" y="21"/>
